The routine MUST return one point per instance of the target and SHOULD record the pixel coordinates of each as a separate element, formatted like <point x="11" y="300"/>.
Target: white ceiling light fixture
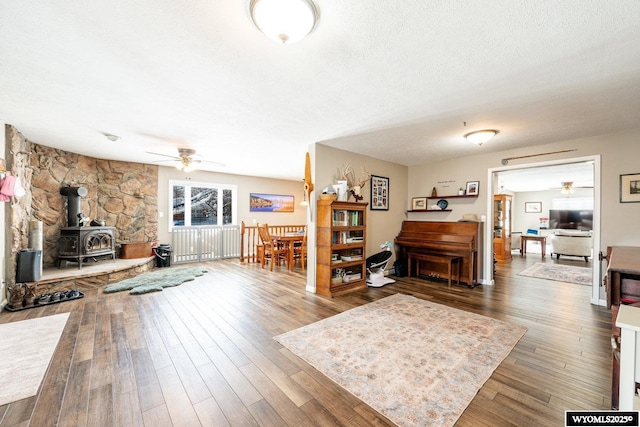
<point x="284" y="21"/>
<point x="479" y="137"/>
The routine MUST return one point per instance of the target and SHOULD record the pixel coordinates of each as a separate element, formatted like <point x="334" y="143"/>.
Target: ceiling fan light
<point x="567" y="187"/>
<point x="284" y="21"/>
<point x="479" y="137"/>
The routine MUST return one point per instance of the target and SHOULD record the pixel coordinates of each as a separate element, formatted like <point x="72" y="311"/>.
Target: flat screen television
<point x="569" y="219"/>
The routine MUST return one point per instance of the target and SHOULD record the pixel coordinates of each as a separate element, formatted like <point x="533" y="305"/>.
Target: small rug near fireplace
<point x="156" y="280"/>
<point x="26" y="348"/>
<point x="559" y="273"/>
<point x="416" y="362"/>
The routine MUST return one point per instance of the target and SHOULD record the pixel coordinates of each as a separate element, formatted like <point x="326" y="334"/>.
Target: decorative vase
<point x="434" y="193"/>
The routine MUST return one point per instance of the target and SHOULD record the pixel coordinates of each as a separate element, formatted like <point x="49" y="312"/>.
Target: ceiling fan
<point x="184" y="160"/>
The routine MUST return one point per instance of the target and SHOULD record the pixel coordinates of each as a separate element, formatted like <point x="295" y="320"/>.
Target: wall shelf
<point x="453" y="197"/>
<point x="430" y="210"/>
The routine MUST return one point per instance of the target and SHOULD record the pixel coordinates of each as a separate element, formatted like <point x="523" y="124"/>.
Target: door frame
<point x="492" y="179"/>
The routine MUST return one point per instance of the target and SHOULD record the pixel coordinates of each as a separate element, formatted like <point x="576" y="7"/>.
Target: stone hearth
<point x="92" y="275"/>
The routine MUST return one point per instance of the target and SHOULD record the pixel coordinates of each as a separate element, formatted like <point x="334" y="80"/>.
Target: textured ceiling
<point x="390" y="79"/>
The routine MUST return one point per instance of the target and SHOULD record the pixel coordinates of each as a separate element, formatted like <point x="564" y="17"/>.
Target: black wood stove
<point x="80" y="244"/>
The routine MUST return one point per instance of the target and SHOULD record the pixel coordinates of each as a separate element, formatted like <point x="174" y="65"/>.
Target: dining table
<point x="289" y="239"/>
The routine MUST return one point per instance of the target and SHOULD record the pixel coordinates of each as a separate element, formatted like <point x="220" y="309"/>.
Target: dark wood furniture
<point x="526" y="237"/>
<point x="448" y="260"/>
<point x="623" y="287"/>
<point x="340" y="262"/>
<point x="441" y="238"/>
<point x="502" y="227"/>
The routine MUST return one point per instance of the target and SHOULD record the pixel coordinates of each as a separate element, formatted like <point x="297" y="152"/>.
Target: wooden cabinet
<point x="341" y="255"/>
<point x="502" y="227"/>
<point x="622" y="284"/>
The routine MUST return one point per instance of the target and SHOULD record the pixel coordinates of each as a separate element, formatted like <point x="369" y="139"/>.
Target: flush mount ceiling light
<point x="479" y="137"/>
<point x="284" y="21"/>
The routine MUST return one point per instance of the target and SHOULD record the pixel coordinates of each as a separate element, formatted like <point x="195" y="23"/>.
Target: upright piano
<point x="443" y="238"/>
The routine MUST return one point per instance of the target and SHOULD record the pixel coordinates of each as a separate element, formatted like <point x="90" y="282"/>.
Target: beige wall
<point x="246" y="185"/>
<point x="619" y="155"/>
<point x="382" y="226"/>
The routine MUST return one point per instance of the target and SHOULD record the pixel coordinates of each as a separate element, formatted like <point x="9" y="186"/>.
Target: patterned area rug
<point x="559" y="273"/>
<point x="418" y="363"/>
<point x="26" y="349"/>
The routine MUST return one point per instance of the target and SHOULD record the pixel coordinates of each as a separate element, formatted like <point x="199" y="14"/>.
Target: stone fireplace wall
<point x="17" y="162"/>
<point x="124" y="194"/>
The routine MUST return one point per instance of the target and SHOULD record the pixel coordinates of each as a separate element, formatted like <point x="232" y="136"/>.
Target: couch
<point x="571" y="243"/>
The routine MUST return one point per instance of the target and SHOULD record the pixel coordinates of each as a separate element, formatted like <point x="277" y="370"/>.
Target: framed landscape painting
<point x="532" y="207"/>
<point x="270" y="203"/>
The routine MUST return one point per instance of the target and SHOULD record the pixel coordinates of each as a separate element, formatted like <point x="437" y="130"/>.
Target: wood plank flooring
<point x="203" y="354"/>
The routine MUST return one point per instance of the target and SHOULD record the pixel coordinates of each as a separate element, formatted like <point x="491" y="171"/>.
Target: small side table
<point x="526" y="237"/>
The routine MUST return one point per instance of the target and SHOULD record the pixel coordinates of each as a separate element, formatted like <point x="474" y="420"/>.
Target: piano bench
<point x="449" y="260"/>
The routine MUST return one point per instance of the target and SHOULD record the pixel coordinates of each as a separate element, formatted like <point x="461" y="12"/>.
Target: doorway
<point x="537" y="170"/>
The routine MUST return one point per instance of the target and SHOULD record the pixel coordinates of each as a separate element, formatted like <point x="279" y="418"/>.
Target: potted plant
<point x="461" y="191"/>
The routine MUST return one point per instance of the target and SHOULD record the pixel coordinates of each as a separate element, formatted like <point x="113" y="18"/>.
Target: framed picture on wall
<point x="259" y="202"/>
<point x="418" y="203"/>
<point x="473" y="187"/>
<point x="630" y="188"/>
<point x="379" y="193"/>
<point x="533" y="207"/>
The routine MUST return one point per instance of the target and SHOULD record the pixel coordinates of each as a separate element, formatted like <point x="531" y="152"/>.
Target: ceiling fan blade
<point x="209" y="162"/>
<point x="164" y="155"/>
<point x="168" y="160"/>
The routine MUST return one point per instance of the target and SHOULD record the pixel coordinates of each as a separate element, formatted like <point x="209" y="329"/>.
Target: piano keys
<point x="443" y="238"/>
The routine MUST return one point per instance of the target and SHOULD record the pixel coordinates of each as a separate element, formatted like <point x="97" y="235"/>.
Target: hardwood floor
<point x="203" y="354"/>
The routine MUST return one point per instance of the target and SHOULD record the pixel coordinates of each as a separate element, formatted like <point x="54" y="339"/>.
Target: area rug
<point x="559" y="273"/>
<point x="156" y="280"/>
<point x="417" y="363"/>
<point x="26" y="348"/>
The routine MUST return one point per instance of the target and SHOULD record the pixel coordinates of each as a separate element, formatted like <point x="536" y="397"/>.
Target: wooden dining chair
<point x="272" y="250"/>
<point x="300" y="250"/>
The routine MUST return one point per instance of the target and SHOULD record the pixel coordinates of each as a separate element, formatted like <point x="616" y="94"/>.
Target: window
<point x="201" y="203"/>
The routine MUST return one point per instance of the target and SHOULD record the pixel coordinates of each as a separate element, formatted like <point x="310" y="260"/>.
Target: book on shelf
<point x="351" y="257"/>
<point x="355" y="218"/>
<point x="340" y="218"/>
<point x="351" y="277"/>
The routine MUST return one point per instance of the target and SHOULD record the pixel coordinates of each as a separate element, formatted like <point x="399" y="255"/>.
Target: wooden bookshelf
<point x="341" y="247"/>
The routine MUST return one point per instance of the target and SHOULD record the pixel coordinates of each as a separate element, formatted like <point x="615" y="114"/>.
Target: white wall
<point x="523" y="221"/>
